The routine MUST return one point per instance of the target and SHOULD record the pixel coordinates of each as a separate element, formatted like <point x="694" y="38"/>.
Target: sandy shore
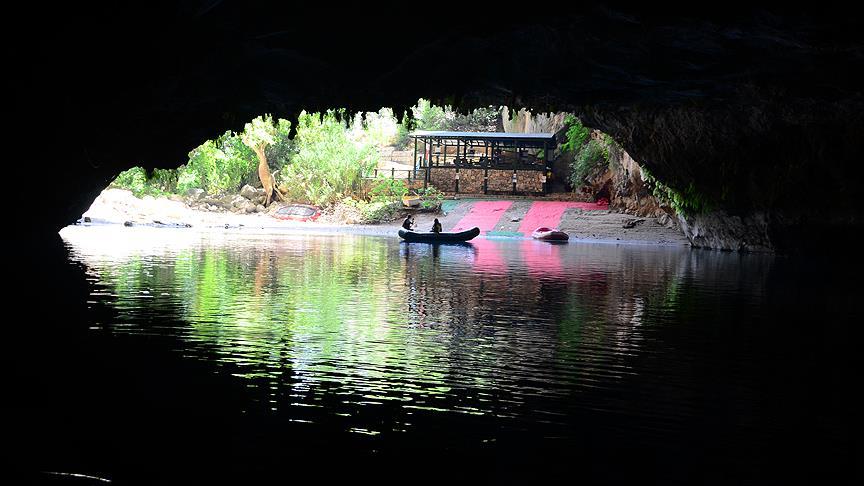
<point x="115" y="206"/>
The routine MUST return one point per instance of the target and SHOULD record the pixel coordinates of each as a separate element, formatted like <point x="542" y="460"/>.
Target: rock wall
<point x="721" y="231"/>
<point x="621" y="183"/>
<point x="764" y="172"/>
<point x="523" y="121"/>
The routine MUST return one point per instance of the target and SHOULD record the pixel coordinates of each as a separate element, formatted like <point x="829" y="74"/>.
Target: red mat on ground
<point x="548" y="213"/>
<point x="484" y="215"/>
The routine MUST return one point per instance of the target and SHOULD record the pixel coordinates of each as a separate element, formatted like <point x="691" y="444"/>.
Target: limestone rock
<point x="195" y="194"/>
<point x="251" y="193"/>
<point x="721" y="231"/>
<point x="238" y="201"/>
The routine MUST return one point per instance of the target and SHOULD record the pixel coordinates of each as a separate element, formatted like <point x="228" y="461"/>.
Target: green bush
<point x="432" y="198"/>
<point x="219" y="166"/>
<point x="591" y="159"/>
<point x="577" y="134"/>
<point x="432" y="117"/>
<point x="134" y="179"/>
<point x="428" y="116"/>
<point x="327" y="164"/>
<point x="388" y="190"/>
<point x="379" y="211"/>
<point x="380" y="128"/>
<point x="157" y="183"/>
<point x="403" y="132"/>
<point x="688" y="201"/>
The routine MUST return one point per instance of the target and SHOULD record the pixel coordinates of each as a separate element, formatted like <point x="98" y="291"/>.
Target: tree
<point x="258" y="135"/>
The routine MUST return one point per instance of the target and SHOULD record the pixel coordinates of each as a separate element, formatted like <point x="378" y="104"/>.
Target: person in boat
<point x="409" y="222"/>
<point x="436" y="226"/>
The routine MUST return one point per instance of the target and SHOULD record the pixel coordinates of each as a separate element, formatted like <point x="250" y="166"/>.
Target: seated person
<point x="436" y="226"/>
<point x="409" y="221"/>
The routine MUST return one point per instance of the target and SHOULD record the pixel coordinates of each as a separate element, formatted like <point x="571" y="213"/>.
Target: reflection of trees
<point x="411" y="323"/>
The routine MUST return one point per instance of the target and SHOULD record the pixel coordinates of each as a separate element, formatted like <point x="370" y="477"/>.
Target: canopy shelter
<point x="487" y="162"/>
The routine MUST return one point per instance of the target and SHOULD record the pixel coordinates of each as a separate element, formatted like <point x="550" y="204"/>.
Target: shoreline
<point x="114" y="207"/>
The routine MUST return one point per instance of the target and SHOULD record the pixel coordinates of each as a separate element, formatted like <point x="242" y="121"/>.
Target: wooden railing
<point x="409" y="174"/>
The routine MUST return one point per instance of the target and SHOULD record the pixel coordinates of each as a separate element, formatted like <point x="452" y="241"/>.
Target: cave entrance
<point x="363" y="168"/>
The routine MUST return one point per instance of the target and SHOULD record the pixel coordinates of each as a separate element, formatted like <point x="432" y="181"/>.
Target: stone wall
<point x="529" y="181"/>
<point x="443" y="179"/>
<point x="500" y="181"/>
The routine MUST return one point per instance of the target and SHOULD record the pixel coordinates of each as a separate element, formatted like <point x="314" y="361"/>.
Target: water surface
<point x="618" y="361"/>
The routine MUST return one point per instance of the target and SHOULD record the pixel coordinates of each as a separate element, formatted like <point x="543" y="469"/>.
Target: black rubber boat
<point x="439" y="237"/>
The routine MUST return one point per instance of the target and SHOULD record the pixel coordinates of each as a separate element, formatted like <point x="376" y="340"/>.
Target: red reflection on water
<point x="536" y="258"/>
<point x="542" y="259"/>
<point x="488" y="258"/>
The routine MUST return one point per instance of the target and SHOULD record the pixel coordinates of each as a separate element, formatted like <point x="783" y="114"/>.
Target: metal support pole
<point x="545" y="167"/>
<point x="486" y="180"/>
<point x="428" y="163"/>
<point x="457" y="180"/>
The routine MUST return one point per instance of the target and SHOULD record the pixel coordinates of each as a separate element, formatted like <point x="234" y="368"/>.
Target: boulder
<point x="251" y="193"/>
<point x="227" y="201"/>
<point x="244" y="206"/>
<point x="195" y="194"/>
<point x="232" y="201"/>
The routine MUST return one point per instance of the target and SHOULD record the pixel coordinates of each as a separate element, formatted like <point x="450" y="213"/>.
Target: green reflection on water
<point x="318" y="308"/>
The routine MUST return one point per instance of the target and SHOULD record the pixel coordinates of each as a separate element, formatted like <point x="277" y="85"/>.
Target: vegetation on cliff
<point x="591" y="155"/>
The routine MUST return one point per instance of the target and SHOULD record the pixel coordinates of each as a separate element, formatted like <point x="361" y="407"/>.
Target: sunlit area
<point x="368" y="172"/>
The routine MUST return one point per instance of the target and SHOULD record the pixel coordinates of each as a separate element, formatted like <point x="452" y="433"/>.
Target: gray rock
<point x="227" y="201"/>
<point x="720" y="231"/>
<point x="260" y="208"/>
<point x="251" y="193"/>
<point x="195" y="194"/>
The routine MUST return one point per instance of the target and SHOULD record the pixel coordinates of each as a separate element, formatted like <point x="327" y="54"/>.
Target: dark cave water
<point x="214" y="355"/>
